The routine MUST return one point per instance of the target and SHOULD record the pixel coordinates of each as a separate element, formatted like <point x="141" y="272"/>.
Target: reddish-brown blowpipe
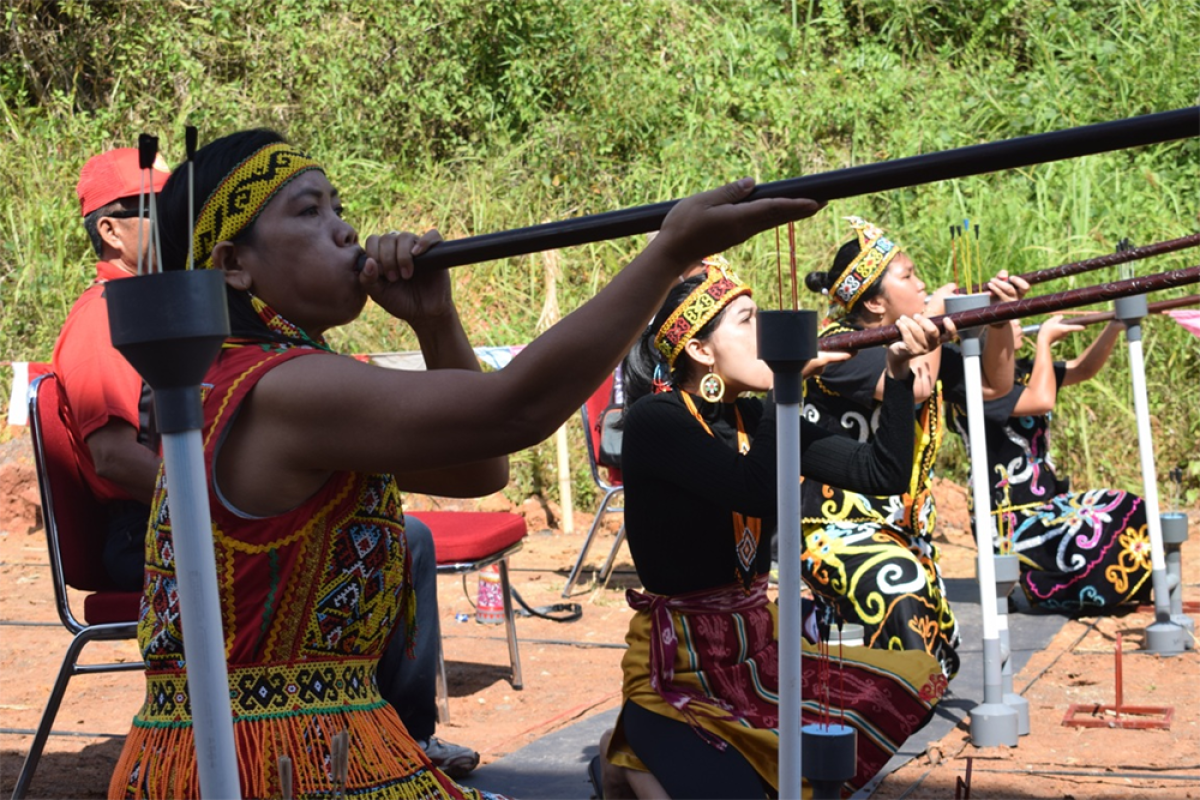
<point x="1028" y="306"/>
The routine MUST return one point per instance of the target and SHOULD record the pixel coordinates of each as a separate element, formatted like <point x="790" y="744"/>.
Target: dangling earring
<point x="661" y="381"/>
<point x="712" y="388"/>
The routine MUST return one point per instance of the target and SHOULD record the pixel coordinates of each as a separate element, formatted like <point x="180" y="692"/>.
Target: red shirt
<point x="98" y="383"/>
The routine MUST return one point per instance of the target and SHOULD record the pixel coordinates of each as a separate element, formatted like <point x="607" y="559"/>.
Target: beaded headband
<point x="718" y="289"/>
<point x="243" y="194"/>
<point x="875" y="252"/>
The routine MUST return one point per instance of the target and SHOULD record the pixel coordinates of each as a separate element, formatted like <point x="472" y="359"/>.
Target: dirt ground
<point x="571" y="671"/>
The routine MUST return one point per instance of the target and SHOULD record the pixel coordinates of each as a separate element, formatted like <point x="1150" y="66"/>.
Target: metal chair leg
<point x="514" y="654"/>
<point x="587" y="543"/>
<point x="606" y="570"/>
<point x="43" y="729"/>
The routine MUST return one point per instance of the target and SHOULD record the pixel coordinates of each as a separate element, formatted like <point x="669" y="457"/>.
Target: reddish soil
<point x="572" y="671"/>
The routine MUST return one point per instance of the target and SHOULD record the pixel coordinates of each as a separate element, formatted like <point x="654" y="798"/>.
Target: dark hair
<point x="211" y="165"/>
<point x="644" y="359"/>
<point x="91" y="224"/>
<point x="822" y="282"/>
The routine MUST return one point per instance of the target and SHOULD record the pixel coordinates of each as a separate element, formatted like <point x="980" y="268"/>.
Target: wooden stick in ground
<point x="1028" y="306"/>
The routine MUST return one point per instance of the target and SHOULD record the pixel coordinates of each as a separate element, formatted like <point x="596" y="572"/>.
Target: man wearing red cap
<point x="111" y="433"/>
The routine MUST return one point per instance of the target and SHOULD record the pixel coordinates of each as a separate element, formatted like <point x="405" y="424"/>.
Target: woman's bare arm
<point x="321" y="413"/>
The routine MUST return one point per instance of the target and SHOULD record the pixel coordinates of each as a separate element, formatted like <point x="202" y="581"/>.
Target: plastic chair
<point x="468" y="541"/>
<point x="74" y="523"/>
<point x="606" y="476"/>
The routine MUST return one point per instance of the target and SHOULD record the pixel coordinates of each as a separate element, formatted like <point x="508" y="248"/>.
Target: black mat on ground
<point x="555" y="766"/>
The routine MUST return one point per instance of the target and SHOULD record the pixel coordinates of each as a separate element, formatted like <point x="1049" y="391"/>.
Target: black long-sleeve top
<point x="683" y="485"/>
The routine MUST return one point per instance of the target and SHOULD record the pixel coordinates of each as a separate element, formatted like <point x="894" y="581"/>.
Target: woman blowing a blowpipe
<point x="700" y="716"/>
<point x="869" y="556"/>
<point x="307" y="452"/>
<point x="1083" y="550"/>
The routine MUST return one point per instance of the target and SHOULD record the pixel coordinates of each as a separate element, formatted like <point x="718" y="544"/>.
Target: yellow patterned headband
<point x="244" y="193"/>
<point x="718" y="289"/>
<point x="875" y="252"/>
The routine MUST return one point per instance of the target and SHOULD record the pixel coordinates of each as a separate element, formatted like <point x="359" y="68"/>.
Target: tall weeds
<point x="481" y="115"/>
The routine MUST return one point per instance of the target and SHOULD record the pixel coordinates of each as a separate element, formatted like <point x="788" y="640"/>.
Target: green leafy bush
<point x="492" y="114"/>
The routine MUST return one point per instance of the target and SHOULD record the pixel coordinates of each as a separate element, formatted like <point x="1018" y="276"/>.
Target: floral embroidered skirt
<point x="1084" y="550"/>
<point x="733" y="659"/>
<point x="885" y="580"/>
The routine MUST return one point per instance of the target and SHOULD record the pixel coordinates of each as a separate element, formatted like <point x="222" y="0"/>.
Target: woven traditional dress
<point x="703" y="644"/>
<point x="308" y="601"/>
<point x="871" y="559"/>
<point x="1078" y="550"/>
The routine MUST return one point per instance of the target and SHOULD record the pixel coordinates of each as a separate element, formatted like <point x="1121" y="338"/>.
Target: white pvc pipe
<point x="983" y="504"/>
<point x="1158" y="561"/>
<point x="200" y="611"/>
<point x="992" y="722"/>
<point x="790" y="606"/>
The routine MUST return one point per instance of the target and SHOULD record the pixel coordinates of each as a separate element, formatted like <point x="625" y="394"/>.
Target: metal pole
<point x="992" y="722"/>
<point x="790" y="609"/>
<point x="200" y="610"/>
<point x="786" y="341"/>
<point x="1164" y="636"/>
<point x="169" y="326"/>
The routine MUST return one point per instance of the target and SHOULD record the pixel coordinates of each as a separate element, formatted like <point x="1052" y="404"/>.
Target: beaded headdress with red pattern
<point x="719" y="288"/>
<point x="876" y="251"/>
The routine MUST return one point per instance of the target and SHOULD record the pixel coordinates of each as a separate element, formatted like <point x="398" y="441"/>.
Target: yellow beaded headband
<point x="718" y="289"/>
<point x="244" y="193"/>
<point x="875" y="252"/>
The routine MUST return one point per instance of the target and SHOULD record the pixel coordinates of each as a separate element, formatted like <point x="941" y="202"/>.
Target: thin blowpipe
<point x="190" y="137"/>
<point x="1109" y="260"/>
<point x="155" y="231"/>
<point x="1106" y="316"/>
<point x="1028" y="306"/>
<point x="960" y="162"/>
<point x="145" y="162"/>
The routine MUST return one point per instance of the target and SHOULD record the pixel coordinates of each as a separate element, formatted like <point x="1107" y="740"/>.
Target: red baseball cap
<point x="115" y="174"/>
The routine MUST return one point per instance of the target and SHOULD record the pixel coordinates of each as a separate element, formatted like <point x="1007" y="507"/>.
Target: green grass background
<point x="481" y="116"/>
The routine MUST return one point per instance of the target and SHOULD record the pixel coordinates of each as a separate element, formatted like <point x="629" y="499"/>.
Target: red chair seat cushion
<point x="105" y="607"/>
<point x="471" y="535"/>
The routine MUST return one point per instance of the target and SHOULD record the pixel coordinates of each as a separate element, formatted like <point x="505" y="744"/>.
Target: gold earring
<point x="712" y="387"/>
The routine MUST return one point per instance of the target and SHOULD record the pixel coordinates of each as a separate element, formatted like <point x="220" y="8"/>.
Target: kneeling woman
<point x="701" y="676"/>
<point x="1079" y="551"/>
<point x="870" y="555"/>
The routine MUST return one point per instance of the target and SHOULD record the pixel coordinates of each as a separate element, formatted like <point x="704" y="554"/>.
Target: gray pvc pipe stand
<point x="170" y="326"/>
<point x="1175" y="533"/>
<point x="1164" y="636"/>
<point x="1008" y="572"/>
<point x="992" y="722"/>
<point x="830" y="758"/>
<point x="787" y="340"/>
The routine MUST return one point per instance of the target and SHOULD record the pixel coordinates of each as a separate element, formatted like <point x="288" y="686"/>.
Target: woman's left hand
<point x="824" y="358"/>
<point x="394" y="281"/>
<point x="918" y="336"/>
<point x="1006" y="288"/>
